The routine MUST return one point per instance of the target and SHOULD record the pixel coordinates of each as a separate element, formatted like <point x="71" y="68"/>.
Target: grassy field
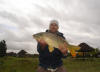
<point x="13" y="64"/>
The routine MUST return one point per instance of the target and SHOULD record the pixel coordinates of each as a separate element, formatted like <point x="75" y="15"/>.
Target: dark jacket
<point x="47" y="59"/>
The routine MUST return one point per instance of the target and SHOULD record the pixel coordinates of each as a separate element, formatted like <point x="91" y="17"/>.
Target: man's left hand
<point x="63" y="49"/>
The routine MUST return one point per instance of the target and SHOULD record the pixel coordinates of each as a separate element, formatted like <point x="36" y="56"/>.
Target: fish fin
<point x="51" y="49"/>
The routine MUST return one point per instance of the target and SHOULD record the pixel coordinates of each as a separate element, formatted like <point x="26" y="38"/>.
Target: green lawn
<point x="13" y="64"/>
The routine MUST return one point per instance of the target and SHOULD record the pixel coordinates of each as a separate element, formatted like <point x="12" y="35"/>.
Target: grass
<point x="14" y="64"/>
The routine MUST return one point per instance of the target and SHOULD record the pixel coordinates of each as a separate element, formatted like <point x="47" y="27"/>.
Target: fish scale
<point x="54" y="41"/>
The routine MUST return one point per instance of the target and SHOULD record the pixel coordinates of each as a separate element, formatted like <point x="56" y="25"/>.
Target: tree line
<point x="85" y="50"/>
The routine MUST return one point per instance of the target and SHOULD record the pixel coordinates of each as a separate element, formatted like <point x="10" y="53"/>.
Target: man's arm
<point x="64" y="55"/>
<point x="64" y="52"/>
<point x="39" y="48"/>
<point x="41" y="45"/>
<point x="57" y="51"/>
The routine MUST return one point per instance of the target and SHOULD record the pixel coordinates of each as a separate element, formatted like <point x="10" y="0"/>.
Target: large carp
<point x="54" y="41"/>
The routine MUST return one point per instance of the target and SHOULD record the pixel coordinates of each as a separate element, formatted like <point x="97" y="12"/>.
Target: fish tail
<point x="73" y="50"/>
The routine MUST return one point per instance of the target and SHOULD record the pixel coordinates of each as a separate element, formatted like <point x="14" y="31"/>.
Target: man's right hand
<point x="42" y="43"/>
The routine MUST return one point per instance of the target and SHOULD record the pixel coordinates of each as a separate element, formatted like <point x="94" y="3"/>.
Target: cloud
<point x="20" y="19"/>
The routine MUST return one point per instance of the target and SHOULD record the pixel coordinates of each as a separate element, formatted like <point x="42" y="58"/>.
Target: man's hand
<point x="63" y="49"/>
<point x="42" y="43"/>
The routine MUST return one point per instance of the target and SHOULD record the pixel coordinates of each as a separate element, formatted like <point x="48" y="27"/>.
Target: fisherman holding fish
<point x="51" y="61"/>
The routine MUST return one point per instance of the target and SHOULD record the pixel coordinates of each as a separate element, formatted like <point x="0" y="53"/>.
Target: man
<point x="51" y="62"/>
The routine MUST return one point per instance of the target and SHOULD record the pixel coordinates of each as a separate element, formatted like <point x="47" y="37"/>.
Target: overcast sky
<point x="79" y="20"/>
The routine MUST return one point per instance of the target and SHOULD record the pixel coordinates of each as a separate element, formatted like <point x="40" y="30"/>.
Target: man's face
<point x="53" y="27"/>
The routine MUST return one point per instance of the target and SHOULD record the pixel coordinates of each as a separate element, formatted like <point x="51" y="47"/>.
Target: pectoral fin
<point x="51" y="48"/>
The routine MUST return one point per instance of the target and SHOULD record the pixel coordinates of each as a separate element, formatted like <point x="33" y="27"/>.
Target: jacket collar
<point x="51" y="32"/>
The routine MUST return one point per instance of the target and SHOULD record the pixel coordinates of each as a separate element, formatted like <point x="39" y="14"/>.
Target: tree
<point x="3" y="48"/>
<point x="11" y="54"/>
<point x="22" y="53"/>
<point x="97" y="51"/>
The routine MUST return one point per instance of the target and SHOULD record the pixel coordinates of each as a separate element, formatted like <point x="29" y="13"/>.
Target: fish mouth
<point x="36" y="37"/>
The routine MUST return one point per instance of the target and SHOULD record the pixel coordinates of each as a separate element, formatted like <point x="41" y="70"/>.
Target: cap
<point x="54" y="21"/>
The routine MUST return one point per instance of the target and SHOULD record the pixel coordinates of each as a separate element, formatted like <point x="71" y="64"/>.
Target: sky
<point x="20" y="19"/>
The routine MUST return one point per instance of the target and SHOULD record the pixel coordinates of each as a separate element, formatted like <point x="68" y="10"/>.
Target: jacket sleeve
<point x="62" y="55"/>
<point x="39" y="48"/>
<point x="57" y="51"/>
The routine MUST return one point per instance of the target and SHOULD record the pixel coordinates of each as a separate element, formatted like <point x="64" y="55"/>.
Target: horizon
<point x="20" y="19"/>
